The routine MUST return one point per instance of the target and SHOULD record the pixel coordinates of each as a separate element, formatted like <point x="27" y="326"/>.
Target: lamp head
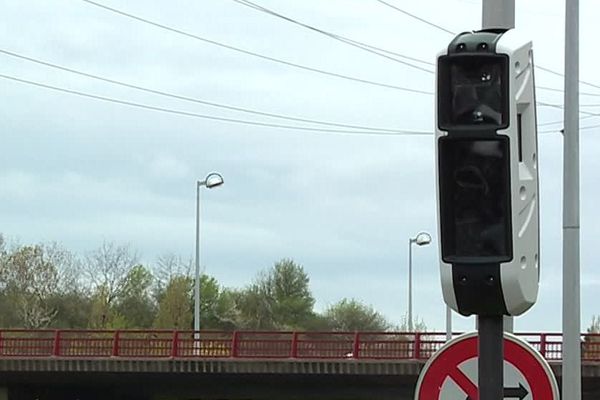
<point x="423" y="238"/>
<point x="213" y="179"/>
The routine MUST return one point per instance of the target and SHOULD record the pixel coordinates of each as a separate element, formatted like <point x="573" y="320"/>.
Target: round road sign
<point x="451" y="374"/>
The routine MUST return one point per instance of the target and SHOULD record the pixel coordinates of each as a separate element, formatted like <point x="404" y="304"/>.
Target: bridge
<point x="157" y="364"/>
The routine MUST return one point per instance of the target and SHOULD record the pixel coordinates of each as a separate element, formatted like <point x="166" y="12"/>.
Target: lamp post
<point x="422" y="239"/>
<point x="212" y="180"/>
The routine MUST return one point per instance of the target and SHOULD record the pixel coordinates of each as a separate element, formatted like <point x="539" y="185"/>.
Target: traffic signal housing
<point x="486" y="156"/>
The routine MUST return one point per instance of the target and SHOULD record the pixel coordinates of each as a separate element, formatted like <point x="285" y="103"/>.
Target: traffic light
<point x="486" y="155"/>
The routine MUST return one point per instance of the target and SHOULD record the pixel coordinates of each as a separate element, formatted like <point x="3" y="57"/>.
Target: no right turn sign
<point x="451" y="374"/>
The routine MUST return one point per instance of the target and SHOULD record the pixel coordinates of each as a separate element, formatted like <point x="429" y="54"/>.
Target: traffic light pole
<point x="496" y="14"/>
<point x="499" y="14"/>
<point x="491" y="357"/>
<point x="571" y="366"/>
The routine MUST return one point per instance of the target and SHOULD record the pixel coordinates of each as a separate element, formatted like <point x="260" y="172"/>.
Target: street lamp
<point x="212" y="180"/>
<point x="422" y="239"/>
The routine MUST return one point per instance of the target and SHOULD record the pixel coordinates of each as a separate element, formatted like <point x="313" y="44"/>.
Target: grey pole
<point x="496" y="14"/>
<point x="499" y="14"/>
<point x="212" y="180"/>
<point x="491" y="358"/>
<point x="410" y="322"/>
<point x="448" y="323"/>
<point x="197" y="274"/>
<point x="571" y="312"/>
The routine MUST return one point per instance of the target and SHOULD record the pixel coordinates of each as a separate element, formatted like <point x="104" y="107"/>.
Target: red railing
<point x="255" y="345"/>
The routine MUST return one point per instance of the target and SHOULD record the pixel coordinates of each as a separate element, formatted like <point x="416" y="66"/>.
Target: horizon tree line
<point x="47" y="286"/>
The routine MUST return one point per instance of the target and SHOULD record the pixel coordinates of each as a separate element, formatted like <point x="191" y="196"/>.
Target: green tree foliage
<point x="9" y="316"/>
<point x="591" y="344"/>
<point x="109" y="271"/>
<point x="29" y="279"/>
<point x="108" y="268"/>
<point x="175" y="310"/>
<point x="167" y="267"/>
<point x="255" y="308"/>
<point x="217" y="306"/>
<point x="74" y="309"/>
<point x="103" y="314"/>
<point x="351" y="315"/>
<point x="279" y="299"/>
<point x="135" y="303"/>
<point x="47" y="286"/>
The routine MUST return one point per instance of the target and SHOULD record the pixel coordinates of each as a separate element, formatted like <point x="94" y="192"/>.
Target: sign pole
<point x="495" y="14"/>
<point x="499" y="14"/>
<point x="571" y="313"/>
<point x="491" y="357"/>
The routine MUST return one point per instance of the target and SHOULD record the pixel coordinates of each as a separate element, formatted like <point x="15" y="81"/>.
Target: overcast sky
<point x="80" y="171"/>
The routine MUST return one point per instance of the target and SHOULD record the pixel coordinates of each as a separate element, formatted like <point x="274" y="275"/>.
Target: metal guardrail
<point x="22" y="343"/>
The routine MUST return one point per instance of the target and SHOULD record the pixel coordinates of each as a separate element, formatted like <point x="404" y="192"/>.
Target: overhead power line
<point x="205" y="116"/>
<point x="251" y="53"/>
<point x="233" y="120"/>
<point x="423" y="20"/>
<point x="190" y="99"/>
<point x="561" y="129"/>
<point x="354" y="43"/>
<point x="561" y="121"/>
<point x="229" y="107"/>
<point x="562" y="75"/>
<point x="561" y="107"/>
<point x="416" y="17"/>
<point x="562" y="91"/>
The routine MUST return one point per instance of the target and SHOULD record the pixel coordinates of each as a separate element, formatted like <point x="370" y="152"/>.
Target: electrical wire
<point x="454" y="33"/>
<point x="189" y="99"/>
<point x="416" y="17"/>
<point x="291" y="64"/>
<point x="250" y="53"/>
<point x="562" y="91"/>
<point x="204" y="116"/>
<point x="562" y="75"/>
<point x="561" y="121"/>
<point x="561" y="130"/>
<point x="224" y="106"/>
<point x="354" y="43"/>
<point x="232" y="120"/>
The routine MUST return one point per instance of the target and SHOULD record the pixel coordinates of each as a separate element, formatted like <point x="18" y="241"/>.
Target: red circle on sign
<point x="445" y="364"/>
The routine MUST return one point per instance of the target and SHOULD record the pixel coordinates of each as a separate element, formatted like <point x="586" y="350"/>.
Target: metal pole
<point x="197" y="275"/>
<point x="491" y="357"/>
<point x="410" y="321"/>
<point x="571" y="312"/>
<point x="498" y="14"/>
<point x="448" y="323"/>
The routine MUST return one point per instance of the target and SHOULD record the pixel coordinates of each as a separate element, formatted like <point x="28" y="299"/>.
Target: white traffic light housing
<point x="486" y="155"/>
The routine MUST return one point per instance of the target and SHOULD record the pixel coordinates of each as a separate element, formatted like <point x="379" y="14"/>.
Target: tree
<point x="29" y="278"/>
<point x="108" y="270"/>
<point x="74" y="309"/>
<point x="591" y="344"/>
<point x="255" y="308"/>
<point x="167" y="267"/>
<point x="217" y="305"/>
<point x="351" y="315"/>
<point x="175" y="309"/>
<point x="279" y="299"/>
<point x="134" y="303"/>
<point x="8" y="316"/>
